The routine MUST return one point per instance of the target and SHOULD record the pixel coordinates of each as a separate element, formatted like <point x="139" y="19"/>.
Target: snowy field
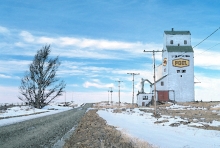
<point x="142" y="125"/>
<point x="22" y="113"/>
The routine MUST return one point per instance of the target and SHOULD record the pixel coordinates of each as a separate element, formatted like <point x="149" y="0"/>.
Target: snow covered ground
<point x="25" y="113"/>
<point x="139" y="124"/>
<point x="142" y="125"/>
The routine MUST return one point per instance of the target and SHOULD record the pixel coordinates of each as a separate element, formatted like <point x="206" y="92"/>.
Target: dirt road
<point x="40" y="132"/>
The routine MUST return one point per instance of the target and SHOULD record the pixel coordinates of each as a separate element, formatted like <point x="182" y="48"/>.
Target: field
<point x="197" y="114"/>
<point x="192" y="124"/>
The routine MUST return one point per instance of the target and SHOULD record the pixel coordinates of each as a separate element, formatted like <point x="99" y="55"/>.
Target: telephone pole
<point x="155" y="106"/>
<point x="133" y="74"/>
<point x="72" y="97"/>
<point x="119" y="91"/>
<point x="108" y="96"/>
<point x="111" y="94"/>
<point x="65" y="98"/>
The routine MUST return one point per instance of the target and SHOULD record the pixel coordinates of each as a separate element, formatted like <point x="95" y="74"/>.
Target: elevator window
<point x="171" y="41"/>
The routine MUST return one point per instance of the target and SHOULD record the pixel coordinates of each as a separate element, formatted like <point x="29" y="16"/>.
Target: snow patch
<point x="161" y="134"/>
<point x="18" y="114"/>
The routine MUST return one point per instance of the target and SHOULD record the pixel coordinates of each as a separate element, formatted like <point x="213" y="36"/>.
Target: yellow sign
<point x="164" y="61"/>
<point x="180" y="63"/>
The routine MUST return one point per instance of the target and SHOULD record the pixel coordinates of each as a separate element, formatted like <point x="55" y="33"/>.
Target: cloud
<point x="9" y="94"/>
<point x="81" y="68"/>
<point x="62" y="41"/>
<point x="208" y="89"/>
<point x="20" y="44"/>
<point x="4" y="76"/>
<point x="80" y="53"/>
<point x="98" y="43"/>
<point x="92" y="43"/>
<point x="4" y="30"/>
<point x="97" y="84"/>
<point x="46" y="40"/>
<point x="26" y="44"/>
<point x="13" y="66"/>
<point x="207" y="59"/>
<point x="74" y="85"/>
<point x="90" y="48"/>
<point x="80" y="42"/>
<point x="146" y="74"/>
<point x="84" y="69"/>
<point x="28" y="37"/>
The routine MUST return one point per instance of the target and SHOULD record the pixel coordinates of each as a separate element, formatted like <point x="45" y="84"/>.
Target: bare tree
<point x="40" y="84"/>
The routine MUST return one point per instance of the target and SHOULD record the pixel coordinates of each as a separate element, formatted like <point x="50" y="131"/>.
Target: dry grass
<point x="195" y="112"/>
<point x="93" y="131"/>
<point x="207" y="105"/>
<point x="137" y="143"/>
<point x="110" y="105"/>
<point x="216" y="108"/>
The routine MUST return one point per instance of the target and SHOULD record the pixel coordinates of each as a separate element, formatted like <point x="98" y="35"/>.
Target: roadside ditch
<point x="93" y="132"/>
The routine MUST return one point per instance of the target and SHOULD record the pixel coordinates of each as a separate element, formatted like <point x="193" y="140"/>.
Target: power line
<point x="208" y="49"/>
<point x="207" y="37"/>
<point x="197" y="79"/>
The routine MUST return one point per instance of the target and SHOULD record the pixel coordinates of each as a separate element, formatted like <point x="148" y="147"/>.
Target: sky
<point x="99" y="42"/>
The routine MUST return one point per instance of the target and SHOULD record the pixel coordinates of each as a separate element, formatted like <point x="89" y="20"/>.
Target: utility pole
<point x="65" y="98"/>
<point x="133" y="74"/>
<point x="108" y="96"/>
<point x="72" y="97"/>
<point x="119" y="91"/>
<point x="111" y="94"/>
<point x="155" y="106"/>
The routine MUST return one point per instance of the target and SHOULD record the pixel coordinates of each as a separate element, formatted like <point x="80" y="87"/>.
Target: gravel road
<point x="40" y="132"/>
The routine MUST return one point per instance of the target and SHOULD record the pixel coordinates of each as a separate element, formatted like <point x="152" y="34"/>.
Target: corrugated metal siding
<point x="177" y="32"/>
<point x="179" y="48"/>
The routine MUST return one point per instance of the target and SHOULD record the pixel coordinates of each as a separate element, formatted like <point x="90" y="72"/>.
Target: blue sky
<point x="99" y="42"/>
